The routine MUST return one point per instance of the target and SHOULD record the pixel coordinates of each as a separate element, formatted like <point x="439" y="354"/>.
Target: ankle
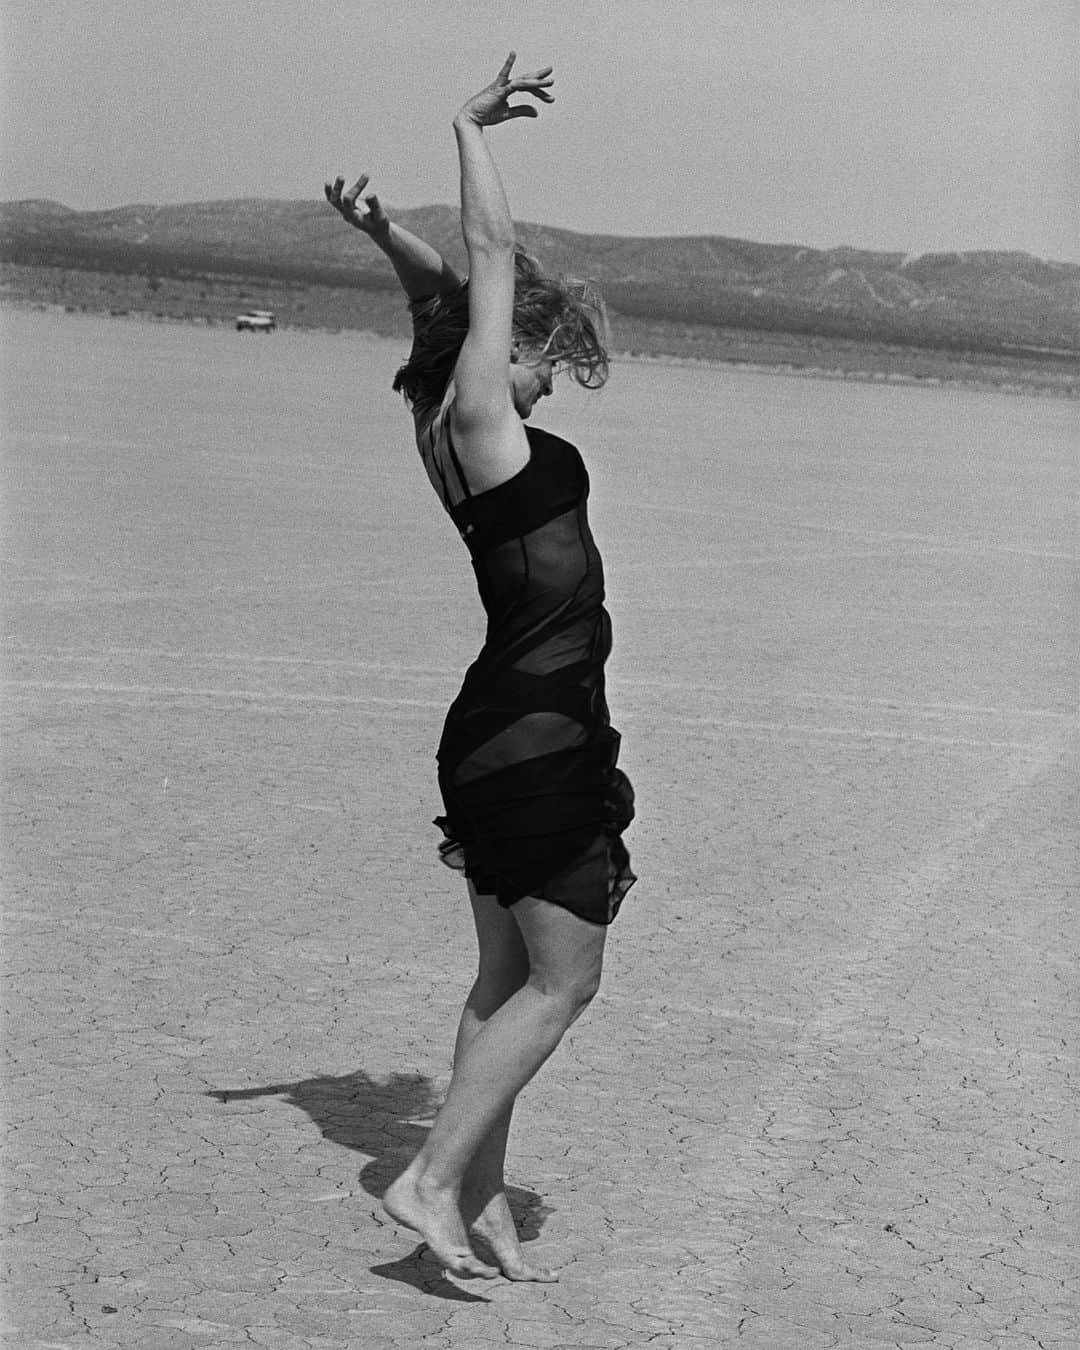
<point x="431" y="1187"/>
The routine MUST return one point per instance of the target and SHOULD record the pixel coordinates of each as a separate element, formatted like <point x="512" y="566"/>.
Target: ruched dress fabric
<point x="535" y="803"/>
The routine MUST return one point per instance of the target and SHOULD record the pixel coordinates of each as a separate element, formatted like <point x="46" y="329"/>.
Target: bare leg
<point x="504" y="968"/>
<point x="497" y="1059"/>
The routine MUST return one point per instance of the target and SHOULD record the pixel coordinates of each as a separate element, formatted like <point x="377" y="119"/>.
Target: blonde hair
<point x="556" y="317"/>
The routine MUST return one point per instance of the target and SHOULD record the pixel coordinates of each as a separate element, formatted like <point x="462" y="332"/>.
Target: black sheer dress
<point x="535" y="804"/>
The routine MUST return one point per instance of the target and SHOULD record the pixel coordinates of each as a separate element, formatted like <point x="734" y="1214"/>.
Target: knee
<point x="587" y="986"/>
<point x="584" y="993"/>
<point x="571" y="991"/>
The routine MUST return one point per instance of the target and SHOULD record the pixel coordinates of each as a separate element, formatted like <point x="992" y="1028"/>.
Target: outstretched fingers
<point x="536" y="84"/>
<point x="349" y="198"/>
<point x="490" y="107"/>
<point x="343" y="201"/>
<point x="371" y="218"/>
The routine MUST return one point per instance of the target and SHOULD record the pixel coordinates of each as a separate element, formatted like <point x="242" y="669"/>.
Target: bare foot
<point x="435" y="1216"/>
<point x="495" y="1224"/>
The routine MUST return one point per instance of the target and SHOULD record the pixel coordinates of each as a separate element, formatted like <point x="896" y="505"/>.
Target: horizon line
<point x="907" y="255"/>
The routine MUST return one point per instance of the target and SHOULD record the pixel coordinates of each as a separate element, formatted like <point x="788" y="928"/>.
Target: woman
<point x="534" y="803"/>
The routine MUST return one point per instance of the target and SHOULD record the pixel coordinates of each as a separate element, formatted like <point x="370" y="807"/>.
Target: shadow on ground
<point x="388" y="1120"/>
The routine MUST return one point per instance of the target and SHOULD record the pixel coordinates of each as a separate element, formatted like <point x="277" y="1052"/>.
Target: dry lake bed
<point x="827" y="1094"/>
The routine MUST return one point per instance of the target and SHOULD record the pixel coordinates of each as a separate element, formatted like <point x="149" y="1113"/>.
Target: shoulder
<point x="492" y="447"/>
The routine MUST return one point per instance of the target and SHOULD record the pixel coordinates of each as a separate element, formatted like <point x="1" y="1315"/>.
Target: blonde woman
<point x="534" y="803"/>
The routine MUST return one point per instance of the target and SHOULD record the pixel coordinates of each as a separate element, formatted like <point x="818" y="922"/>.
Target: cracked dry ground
<point x="827" y="1094"/>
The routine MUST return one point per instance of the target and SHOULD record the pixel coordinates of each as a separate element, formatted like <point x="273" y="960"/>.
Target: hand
<point x="489" y="107"/>
<point x="370" y="218"/>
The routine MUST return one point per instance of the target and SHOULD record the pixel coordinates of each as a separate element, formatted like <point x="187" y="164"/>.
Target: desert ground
<point x="214" y="300"/>
<point x="826" y="1096"/>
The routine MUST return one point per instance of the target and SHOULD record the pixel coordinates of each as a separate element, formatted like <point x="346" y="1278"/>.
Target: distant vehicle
<point x="256" y="321"/>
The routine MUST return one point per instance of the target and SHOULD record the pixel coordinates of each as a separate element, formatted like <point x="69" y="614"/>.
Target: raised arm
<point x="484" y="419"/>
<point x="421" y="269"/>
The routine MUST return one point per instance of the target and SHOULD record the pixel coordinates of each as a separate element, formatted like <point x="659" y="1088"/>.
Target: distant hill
<point x="977" y="301"/>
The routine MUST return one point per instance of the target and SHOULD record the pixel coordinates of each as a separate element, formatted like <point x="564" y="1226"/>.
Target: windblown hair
<point x="560" y="318"/>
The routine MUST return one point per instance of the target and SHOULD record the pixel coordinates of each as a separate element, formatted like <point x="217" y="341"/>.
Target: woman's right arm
<point x="421" y="269"/>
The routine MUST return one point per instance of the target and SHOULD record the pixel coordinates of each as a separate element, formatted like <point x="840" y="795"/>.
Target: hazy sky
<point x="894" y="124"/>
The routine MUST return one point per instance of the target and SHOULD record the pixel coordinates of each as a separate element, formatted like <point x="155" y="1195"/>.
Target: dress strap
<point x="438" y="444"/>
<point x="454" y="457"/>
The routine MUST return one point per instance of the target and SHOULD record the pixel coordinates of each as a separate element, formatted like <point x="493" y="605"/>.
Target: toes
<point x="461" y="1262"/>
<point x="524" y="1273"/>
<point x="467" y="1267"/>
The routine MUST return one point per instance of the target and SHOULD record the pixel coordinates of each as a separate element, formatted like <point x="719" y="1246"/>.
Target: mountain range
<point x="980" y="301"/>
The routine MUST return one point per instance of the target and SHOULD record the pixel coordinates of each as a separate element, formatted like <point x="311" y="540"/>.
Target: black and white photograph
<point x="540" y="674"/>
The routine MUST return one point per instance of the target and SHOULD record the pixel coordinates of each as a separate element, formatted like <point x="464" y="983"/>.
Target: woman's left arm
<point x="421" y="269"/>
<point x="484" y="415"/>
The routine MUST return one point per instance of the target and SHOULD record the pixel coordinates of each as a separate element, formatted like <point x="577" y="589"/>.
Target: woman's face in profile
<point x="530" y="380"/>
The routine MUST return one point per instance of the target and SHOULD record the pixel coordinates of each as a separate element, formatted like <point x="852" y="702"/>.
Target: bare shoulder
<point x="490" y="443"/>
